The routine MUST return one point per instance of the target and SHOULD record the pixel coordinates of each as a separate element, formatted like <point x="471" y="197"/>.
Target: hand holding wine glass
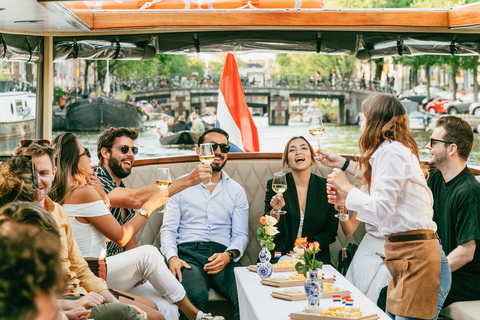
<point x="163" y="178"/>
<point x="279" y="186"/>
<point x="316" y="128"/>
<point x="207" y="156"/>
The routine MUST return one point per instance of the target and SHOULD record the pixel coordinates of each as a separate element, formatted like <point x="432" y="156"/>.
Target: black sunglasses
<point x="87" y="152"/>
<point x="34" y="172"/>
<point x="224" y="148"/>
<point x="432" y="141"/>
<point x="26" y="143"/>
<point x="125" y="149"/>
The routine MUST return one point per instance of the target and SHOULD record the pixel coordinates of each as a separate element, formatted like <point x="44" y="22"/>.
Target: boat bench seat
<point x="253" y="176"/>
<point x="466" y="310"/>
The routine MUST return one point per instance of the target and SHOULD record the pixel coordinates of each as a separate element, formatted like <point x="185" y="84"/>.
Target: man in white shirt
<point x="162" y="126"/>
<point x="205" y="230"/>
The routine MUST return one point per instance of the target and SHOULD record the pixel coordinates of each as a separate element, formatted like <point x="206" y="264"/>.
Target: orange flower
<point x="301" y="242"/>
<point x="263" y="220"/>
<point x="314" y="246"/>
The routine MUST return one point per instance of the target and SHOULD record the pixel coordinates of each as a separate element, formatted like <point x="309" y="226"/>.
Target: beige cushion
<point x="467" y="310"/>
<point x="253" y="176"/>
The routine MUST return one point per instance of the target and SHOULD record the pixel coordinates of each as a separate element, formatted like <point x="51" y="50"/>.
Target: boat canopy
<point x="137" y="30"/>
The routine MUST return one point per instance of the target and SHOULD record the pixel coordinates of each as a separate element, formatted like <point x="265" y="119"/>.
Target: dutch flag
<point x="233" y="115"/>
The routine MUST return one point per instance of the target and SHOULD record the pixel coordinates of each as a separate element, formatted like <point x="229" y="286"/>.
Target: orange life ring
<point x="262" y="4"/>
<point x="144" y="5"/>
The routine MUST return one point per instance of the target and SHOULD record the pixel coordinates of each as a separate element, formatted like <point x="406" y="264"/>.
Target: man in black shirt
<point x="456" y="195"/>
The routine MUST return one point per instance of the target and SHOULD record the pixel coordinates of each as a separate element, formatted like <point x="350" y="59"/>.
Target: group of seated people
<point x="91" y="266"/>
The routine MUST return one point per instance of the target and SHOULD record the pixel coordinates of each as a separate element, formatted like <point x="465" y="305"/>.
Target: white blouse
<point x="92" y="243"/>
<point x="399" y="199"/>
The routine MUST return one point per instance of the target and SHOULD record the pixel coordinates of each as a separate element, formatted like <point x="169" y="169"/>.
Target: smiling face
<point x="438" y="152"/>
<point x="220" y="158"/>
<point x="84" y="161"/>
<point x="46" y="174"/>
<point x="299" y="155"/>
<point x="120" y="164"/>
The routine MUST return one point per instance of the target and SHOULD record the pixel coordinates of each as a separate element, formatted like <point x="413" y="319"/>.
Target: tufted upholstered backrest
<point x="251" y="173"/>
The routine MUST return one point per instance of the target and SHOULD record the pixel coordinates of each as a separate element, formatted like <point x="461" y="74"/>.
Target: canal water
<point x="341" y="139"/>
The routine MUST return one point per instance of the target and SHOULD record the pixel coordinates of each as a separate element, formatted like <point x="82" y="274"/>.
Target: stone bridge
<point x="273" y="101"/>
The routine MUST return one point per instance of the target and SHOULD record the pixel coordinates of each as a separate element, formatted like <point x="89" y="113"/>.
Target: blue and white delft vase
<point x="264" y="267"/>
<point x="313" y="289"/>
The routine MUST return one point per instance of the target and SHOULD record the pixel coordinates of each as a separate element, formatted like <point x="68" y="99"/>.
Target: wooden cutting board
<point x="301" y="295"/>
<point x="288" y="282"/>
<point x="302" y="315"/>
<point x="253" y="268"/>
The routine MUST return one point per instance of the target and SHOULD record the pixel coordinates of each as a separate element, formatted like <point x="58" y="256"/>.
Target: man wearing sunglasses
<point x="456" y="195"/>
<point x="205" y="230"/>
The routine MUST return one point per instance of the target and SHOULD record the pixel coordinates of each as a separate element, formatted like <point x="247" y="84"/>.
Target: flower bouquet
<point x="306" y="251"/>
<point x="267" y="231"/>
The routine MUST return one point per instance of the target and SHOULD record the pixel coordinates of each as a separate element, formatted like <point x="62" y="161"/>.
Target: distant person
<point x="180" y="125"/>
<point x="308" y="212"/>
<point x="208" y="75"/>
<point x="318" y="79"/>
<point x="190" y="119"/>
<point x="162" y="126"/>
<point x="197" y="125"/>
<point x="330" y="78"/>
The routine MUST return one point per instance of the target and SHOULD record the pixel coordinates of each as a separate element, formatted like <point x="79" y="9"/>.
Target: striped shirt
<point x="109" y="184"/>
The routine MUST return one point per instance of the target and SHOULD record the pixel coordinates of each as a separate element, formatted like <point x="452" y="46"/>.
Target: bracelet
<point x="107" y="202"/>
<point x="345" y="165"/>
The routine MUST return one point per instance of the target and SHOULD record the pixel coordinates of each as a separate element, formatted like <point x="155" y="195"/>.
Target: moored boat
<point x="183" y="138"/>
<point x="17" y="119"/>
<point x="95" y="114"/>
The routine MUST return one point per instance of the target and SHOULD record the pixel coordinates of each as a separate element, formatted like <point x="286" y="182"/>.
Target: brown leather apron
<point x="414" y="268"/>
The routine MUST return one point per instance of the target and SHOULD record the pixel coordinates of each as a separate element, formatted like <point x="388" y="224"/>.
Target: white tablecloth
<point x="256" y="303"/>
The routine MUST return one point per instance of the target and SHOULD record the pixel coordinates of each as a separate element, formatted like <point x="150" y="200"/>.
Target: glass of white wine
<point x="316" y="128"/>
<point x="279" y="186"/>
<point x="163" y="178"/>
<point x="207" y="155"/>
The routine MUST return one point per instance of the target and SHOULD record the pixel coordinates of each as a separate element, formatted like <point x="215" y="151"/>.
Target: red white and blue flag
<point x="233" y="115"/>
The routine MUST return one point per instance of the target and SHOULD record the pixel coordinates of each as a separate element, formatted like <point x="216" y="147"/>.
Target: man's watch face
<point x="230" y="253"/>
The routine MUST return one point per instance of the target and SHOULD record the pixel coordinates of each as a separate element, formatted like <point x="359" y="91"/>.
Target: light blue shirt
<point x="195" y="215"/>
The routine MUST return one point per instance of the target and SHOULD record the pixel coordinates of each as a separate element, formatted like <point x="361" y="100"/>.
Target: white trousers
<point x="124" y="270"/>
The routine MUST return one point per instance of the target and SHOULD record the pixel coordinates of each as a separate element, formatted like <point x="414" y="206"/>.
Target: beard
<point x="218" y="167"/>
<point x="116" y="167"/>
<point x="439" y="158"/>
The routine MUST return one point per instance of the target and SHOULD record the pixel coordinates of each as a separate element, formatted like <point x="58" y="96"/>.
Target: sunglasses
<point x="87" y="152"/>
<point x="26" y="143"/>
<point x="124" y="149"/>
<point x="224" y="148"/>
<point x="432" y="141"/>
<point x="34" y="172"/>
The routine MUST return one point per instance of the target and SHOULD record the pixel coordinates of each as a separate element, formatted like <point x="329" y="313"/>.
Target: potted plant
<point x="313" y="285"/>
<point x="265" y="234"/>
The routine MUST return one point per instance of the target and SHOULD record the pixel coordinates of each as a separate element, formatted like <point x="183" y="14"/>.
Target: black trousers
<point x="197" y="282"/>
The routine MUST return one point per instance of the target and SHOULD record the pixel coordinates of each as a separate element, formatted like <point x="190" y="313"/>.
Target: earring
<point x="288" y="166"/>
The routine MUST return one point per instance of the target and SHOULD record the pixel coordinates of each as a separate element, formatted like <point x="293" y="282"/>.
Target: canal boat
<point x="180" y="139"/>
<point x="44" y="31"/>
<point x="17" y="119"/>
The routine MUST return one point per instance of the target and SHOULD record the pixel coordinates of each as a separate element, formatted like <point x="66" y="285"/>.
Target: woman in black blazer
<point x="306" y="193"/>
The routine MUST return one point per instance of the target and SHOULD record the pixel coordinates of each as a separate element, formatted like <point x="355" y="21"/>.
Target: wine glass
<point x="206" y="156"/>
<point x="342" y="214"/>
<point x="163" y="178"/>
<point x="279" y="186"/>
<point x="316" y="128"/>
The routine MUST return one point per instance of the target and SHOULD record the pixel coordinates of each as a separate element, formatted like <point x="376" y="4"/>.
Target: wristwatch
<point x="143" y="213"/>
<point x="230" y="254"/>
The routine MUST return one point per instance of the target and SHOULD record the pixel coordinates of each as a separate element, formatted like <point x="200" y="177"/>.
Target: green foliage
<point x="399" y="3"/>
<point x="4" y="73"/>
<point x="265" y="239"/>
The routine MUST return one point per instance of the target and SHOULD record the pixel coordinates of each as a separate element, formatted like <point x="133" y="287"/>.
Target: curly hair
<point x="17" y="180"/>
<point x="386" y="119"/>
<point x="106" y="139"/>
<point x="30" y="262"/>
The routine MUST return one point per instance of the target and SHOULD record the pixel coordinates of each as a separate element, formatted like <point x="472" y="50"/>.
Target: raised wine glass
<point x="279" y="186"/>
<point x="206" y="156"/>
<point x="163" y="178"/>
<point x="316" y="128"/>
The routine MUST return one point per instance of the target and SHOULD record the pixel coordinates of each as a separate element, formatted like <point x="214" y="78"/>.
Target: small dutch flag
<point x="334" y="278"/>
<point x="337" y="299"/>
<point x="344" y="299"/>
<point x="349" y="302"/>
<point x="277" y="254"/>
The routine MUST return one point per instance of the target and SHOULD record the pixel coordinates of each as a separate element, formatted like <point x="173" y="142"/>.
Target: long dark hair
<point x="386" y="119"/>
<point x="68" y="176"/>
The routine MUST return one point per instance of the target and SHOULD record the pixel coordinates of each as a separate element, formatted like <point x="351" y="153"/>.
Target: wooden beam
<point x="246" y="19"/>
<point x="464" y="16"/>
<point x="44" y="114"/>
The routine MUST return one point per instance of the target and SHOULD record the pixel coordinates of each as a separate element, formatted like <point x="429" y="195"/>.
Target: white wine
<point x="163" y="185"/>
<point x="316" y="132"/>
<point x="279" y="188"/>
<point x="207" y="159"/>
